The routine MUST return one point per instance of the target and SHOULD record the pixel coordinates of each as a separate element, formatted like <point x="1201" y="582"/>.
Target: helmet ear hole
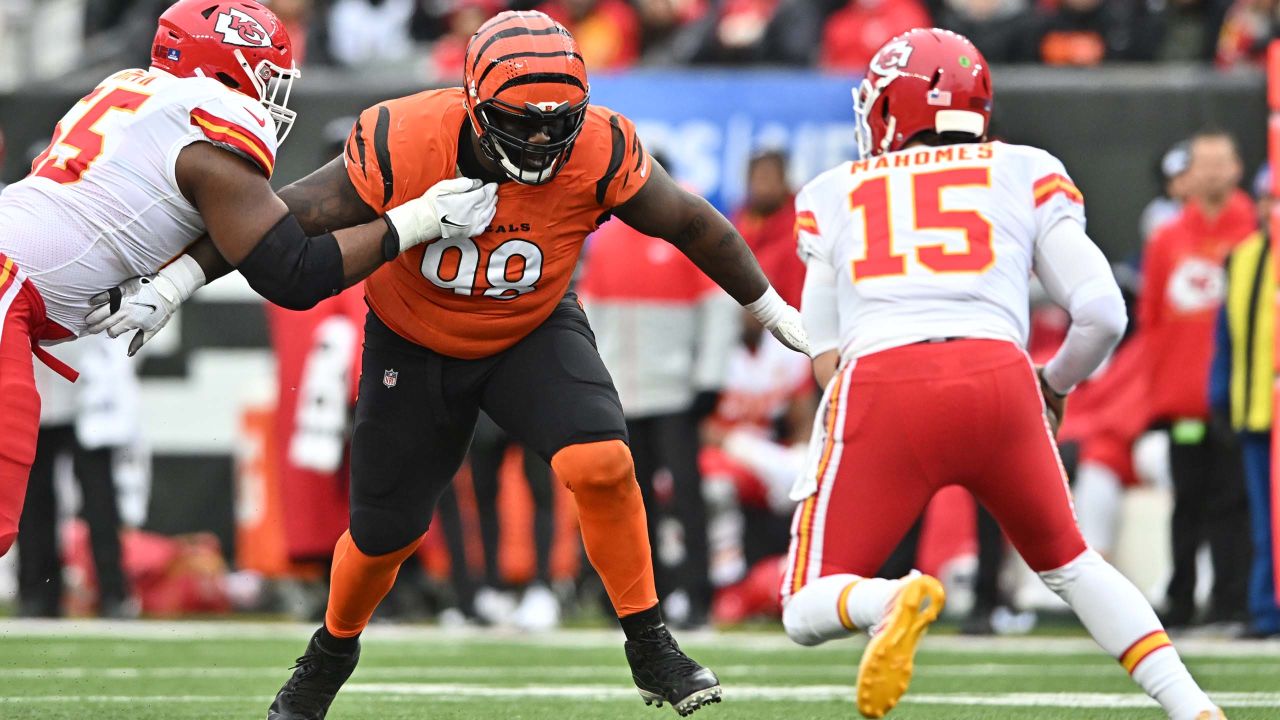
<point x="228" y="80"/>
<point x="884" y="109"/>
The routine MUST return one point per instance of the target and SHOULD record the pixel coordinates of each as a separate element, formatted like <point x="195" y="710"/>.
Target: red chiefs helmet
<point x="526" y="93"/>
<point x="924" y="80"/>
<point x="242" y="44"/>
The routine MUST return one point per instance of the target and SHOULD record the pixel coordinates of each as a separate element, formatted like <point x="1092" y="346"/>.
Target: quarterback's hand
<point x="144" y="303"/>
<point x="453" y="208"/>
<point x="782" y="320"/>
<point x="1055" y="403"/>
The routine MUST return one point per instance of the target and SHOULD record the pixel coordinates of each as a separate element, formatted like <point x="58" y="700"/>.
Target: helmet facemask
<point x="864" y="102"/>
<point x="273" y="85"/>
<point x="505" y="133"/>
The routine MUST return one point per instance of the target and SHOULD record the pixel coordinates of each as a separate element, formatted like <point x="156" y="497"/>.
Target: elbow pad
<point x="292" y="270"/>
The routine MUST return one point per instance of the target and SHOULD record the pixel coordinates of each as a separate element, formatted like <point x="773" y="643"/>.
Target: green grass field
<point x="149" y="671"/>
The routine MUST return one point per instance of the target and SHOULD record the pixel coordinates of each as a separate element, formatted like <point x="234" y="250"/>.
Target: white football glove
<point x="144" y="303"/>
<point x="453" y="208"/>
<point x="782" y="320"/>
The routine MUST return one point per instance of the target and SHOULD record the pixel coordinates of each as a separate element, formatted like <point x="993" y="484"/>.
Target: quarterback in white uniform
<point x="141" y="168"/>
<point x="916" y="305"/>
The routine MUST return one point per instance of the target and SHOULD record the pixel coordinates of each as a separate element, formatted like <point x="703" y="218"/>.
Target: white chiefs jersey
<point x="102" y="203"/>
<point x="934" y="242"/>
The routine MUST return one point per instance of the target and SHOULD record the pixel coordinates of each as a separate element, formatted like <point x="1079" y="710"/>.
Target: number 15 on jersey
<point x="887" y="246"/>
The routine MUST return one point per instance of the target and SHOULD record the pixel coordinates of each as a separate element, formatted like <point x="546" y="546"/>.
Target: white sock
<point x="1121" y="620"/>
<point x="814" y="615"/>
<point x="1098" y="495"/>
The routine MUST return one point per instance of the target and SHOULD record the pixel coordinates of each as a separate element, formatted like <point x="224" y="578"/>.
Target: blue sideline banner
<point x="708" y="124"/>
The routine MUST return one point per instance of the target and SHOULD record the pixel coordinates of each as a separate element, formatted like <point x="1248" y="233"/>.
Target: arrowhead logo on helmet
<point x="238" y="28"/>
<point x="244" y="46"/>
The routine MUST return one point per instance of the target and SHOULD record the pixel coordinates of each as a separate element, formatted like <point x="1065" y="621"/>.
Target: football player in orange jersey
<point x="487" y="322"/>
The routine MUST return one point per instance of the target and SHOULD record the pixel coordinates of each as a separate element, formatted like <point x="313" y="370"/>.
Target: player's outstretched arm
<point x="255" y="231"/>
<point x="663" y="209"/>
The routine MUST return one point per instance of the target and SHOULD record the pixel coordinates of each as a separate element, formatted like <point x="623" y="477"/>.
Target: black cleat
<point x="316" y="680"/>
<point x="663" y="673"/>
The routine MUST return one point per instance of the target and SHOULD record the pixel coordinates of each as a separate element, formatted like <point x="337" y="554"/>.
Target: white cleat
<point x="539" y="610"/>
<point x="495" y="607"/>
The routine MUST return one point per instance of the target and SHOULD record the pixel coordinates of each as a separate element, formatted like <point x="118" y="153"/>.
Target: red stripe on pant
<point x="921" y="417"/>
<point x="19" y="402"/>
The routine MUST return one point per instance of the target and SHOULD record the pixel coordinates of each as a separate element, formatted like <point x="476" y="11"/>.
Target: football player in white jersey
<point x="915" y="301"/>
<point x="142" y="167"/>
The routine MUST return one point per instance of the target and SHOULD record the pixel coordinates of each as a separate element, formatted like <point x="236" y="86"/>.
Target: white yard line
<point x="812" y="693"/>
<point x="156" y="630"/>
<point x="825" y="671"/>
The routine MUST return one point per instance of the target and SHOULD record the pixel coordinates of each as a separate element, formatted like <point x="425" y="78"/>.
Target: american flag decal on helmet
<point x="938" y="97"/>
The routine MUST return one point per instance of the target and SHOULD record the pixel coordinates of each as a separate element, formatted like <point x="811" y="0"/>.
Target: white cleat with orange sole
<point x="887" y="662"/>
<point x="1214" y="714"/>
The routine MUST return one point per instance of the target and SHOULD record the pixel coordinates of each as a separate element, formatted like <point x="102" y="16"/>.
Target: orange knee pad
<point x="604" y="465"/>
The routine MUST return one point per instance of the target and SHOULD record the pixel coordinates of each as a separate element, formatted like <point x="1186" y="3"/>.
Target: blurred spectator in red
<point x="666" y="333"/>
<point x="607" y="31"/>
<point x="296" y="17"/>
<point x="447" y="54"/>
<point x="1087" y="32"/>
<point x="767" y="221"/>
<point x="856" y="31"/>
<point x="1184" y="284"/>
<point x="759" y="31"/>
<point x="1246" y="31"/>
<point x="1002" y="29"/>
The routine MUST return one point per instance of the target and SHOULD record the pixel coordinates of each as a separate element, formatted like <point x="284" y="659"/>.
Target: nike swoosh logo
<point x="446" y="221"/>
<point x="262" y="122"/>
<point x="148" y="306"/>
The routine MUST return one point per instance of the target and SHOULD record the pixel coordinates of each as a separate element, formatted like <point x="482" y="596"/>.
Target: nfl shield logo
<point x="389" y="377"/>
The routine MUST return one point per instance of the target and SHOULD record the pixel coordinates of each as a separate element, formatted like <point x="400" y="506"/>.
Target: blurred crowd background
<point x="209" y="475"/>
<point x="427" y="37"/>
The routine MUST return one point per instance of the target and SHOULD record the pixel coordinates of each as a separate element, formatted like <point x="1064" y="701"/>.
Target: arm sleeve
<point x="819" y="309"/>
<point x="231" y="121"/>
<point x="1220" y="370"/>
<point x="1077" y="277"/>
<point x="629" y="164"/>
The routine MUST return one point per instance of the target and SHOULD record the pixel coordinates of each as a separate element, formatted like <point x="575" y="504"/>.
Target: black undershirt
<point x="468" y="164"/>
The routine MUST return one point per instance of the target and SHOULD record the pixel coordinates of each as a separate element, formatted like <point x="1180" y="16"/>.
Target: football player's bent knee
<point x="595" y="466"/>
<point x="378" y="531"/>
<point x="1061" y="579"/>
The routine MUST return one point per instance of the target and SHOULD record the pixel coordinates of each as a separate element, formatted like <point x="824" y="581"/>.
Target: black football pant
<point x="671" y="442"/>
<point x="1209" y="505"/>
<point x="39" y="558"/>
<point x="417" y="409"/>
<point x="488" y="448"/>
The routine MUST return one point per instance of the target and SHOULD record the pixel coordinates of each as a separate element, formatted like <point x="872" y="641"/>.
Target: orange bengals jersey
<point x="474" y="297"/>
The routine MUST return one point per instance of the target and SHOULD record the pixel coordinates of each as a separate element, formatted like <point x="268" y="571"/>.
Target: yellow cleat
<point x="887" y="662"/>
<point x="1214" y="714"/>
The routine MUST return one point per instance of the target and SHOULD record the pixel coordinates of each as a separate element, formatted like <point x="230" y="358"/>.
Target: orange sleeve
<point x="368" y="158"/>
<point x="629" y="164"/>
